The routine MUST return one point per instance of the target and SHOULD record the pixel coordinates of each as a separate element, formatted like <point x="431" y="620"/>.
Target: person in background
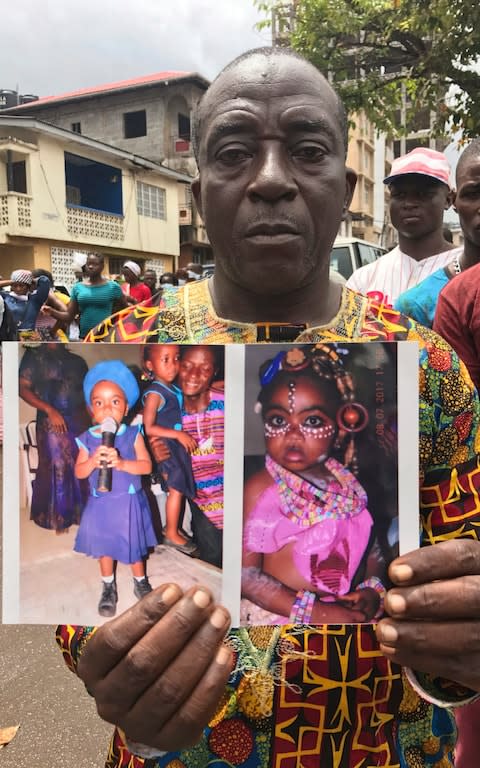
<point x="448" y="234"/>
<point x="419" y="194"/>
<point x="457" y="319"/>
<point x="194" y="271"/>
<point x="46" y="326"/>
<point x="50" y="380"/>
<point x="134" y="290"/>
<point x="168" y="278"/>
<point x="420" y="302"/>
<point x="162" y="403"/>
<point x="25" y="298"/>
<point x="79" y="261"/>
<point x="270" y="138"/>
<point x="183" y="277"/>
<point x="203" y="419"/>
<point x="92" y="299"/>
<point x="150" y="280"/>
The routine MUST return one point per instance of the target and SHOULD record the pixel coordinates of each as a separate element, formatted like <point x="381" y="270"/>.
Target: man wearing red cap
<point x="419" y="194"/>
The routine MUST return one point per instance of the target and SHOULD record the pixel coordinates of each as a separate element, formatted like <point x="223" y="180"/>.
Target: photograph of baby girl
<point x="321" y="489"/>
<point x="118" y="484"/>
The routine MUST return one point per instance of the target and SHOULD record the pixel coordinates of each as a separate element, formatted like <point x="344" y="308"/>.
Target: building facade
<point x="62" y="192"/>
<point x="149" y="116"/>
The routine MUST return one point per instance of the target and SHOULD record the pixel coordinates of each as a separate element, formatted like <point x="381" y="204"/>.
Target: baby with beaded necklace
<point x="308" y="556"/>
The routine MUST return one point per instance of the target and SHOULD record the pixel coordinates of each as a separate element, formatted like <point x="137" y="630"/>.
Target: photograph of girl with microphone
<point x="116" y="523"/>
<point x="95" y="452"/>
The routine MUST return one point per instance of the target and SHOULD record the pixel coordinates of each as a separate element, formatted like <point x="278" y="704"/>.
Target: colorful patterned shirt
<point x="207" y="429"/>
<point x="326" y="696"/>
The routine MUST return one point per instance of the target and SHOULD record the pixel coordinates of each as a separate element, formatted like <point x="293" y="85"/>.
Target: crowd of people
<point x="72" y="402"/>
<point x="33" y="308"/>
<point x="270" y="142"/>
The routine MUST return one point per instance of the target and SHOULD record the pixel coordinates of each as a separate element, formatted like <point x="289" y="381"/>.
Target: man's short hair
<point x="269" y="51"/>
<point x="471" y="152"/>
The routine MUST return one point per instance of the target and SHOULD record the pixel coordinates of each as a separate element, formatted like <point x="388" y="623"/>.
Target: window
<point x="17" y="181"/>
<point x="367" y="253"/>
<point x="76" y="127"/>
<point x="151" y="201"/>
<point x="115" y="263"/>
<point x="93" y="185"/>
<point x="134" y="124"/>
<point x="183" y="127"/>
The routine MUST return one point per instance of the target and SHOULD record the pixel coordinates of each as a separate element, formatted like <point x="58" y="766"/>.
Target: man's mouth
<point x="271" y="230"/>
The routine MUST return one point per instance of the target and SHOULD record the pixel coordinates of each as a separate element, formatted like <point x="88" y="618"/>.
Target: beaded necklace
<point x="306" y="504"/>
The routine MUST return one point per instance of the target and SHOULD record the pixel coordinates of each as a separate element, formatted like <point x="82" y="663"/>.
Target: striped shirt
<point x="206" y="428"/>
<point x="385" y="279"/>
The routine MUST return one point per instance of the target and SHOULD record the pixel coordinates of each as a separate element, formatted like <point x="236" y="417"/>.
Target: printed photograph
<point x="120" y="475"/>
<point x="321" y="482"/>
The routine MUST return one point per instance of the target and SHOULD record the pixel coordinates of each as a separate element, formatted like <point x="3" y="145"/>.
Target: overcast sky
<point x="52" y="46"/>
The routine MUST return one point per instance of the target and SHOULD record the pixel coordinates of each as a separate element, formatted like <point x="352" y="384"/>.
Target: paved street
<point x="59" y="727"/>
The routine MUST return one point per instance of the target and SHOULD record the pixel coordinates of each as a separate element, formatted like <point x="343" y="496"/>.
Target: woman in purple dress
<point x="50" y="380"/>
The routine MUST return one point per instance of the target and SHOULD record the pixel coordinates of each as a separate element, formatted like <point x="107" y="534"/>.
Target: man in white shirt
<point x="419" y="185"/>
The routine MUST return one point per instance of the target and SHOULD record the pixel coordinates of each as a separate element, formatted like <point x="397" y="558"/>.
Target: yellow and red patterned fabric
<point x="326" y="696"/>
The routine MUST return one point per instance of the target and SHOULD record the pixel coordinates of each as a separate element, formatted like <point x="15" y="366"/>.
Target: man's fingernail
<point x="170" y="595"/>
<point x="396" y="603"/>
<point x="388" y="633"/>
<point x="218" y="618"/>
<point x="223" y="656"/>
<point x="201" y="598"/>
<point x="401" y="572"/>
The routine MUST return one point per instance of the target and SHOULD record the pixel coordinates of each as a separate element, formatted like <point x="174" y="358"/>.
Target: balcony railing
<point x="86" y="222"/>
<point x="15" y="211"/>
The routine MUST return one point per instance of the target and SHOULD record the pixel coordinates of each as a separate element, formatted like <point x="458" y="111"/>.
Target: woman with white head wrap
<point x="135" y="291"/>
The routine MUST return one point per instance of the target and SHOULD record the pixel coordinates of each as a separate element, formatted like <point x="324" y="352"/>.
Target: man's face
<point x="21" y="289"/>
<point x="273" y="186"/>
<point x="150" y="279"/>
<point x="417" y="204"/>
<point x="467" y="200"/>
<point x="128" y="275"/>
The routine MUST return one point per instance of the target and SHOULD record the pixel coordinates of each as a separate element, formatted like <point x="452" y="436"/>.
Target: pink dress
<point x="329" y="525"/>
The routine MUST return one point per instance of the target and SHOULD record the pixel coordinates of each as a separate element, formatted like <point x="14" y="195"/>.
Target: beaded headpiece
<point x="325" y="361"/>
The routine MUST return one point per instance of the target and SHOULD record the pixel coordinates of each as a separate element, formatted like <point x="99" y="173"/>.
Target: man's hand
<point x="158" y="671"/>
<point x="435" y="612"/>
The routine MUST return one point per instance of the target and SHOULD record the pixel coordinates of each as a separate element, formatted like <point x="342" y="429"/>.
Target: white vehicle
<point x="350" y="253"/>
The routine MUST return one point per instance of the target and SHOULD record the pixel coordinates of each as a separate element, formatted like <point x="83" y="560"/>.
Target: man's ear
<point x="197" y="194"/>
<point x="350" y="183"/>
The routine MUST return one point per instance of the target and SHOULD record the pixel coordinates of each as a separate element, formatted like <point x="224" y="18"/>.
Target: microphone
<point x="108" y="428"/>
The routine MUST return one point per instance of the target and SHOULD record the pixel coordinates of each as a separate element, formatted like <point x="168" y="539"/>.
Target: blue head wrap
<point x="116" y="371"/>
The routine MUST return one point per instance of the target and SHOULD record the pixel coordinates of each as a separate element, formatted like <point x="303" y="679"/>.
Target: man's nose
<point x="272" y="178"/>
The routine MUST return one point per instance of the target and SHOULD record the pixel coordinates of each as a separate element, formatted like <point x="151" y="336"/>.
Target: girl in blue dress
<point x="116" y="525"/>
<point x="162" y="418"/>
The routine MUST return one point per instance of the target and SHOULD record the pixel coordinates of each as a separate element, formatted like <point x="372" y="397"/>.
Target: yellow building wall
<point x="48" y="211"/>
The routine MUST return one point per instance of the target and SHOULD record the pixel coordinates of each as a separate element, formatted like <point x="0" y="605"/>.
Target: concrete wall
<point x="101" y="117"/>
<point x="47" y="201"/>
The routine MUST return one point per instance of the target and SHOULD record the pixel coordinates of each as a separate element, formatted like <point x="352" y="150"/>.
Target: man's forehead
<point x="279" y="75"/>
<point x="470" y="168"/>
<point x="236" y="100"/>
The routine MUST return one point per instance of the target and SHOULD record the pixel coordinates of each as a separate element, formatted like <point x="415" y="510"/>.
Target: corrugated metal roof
<point x="135" y="82"/>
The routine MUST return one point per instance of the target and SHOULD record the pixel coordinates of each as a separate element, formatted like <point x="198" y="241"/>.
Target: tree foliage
<point x="377" y="51"/>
